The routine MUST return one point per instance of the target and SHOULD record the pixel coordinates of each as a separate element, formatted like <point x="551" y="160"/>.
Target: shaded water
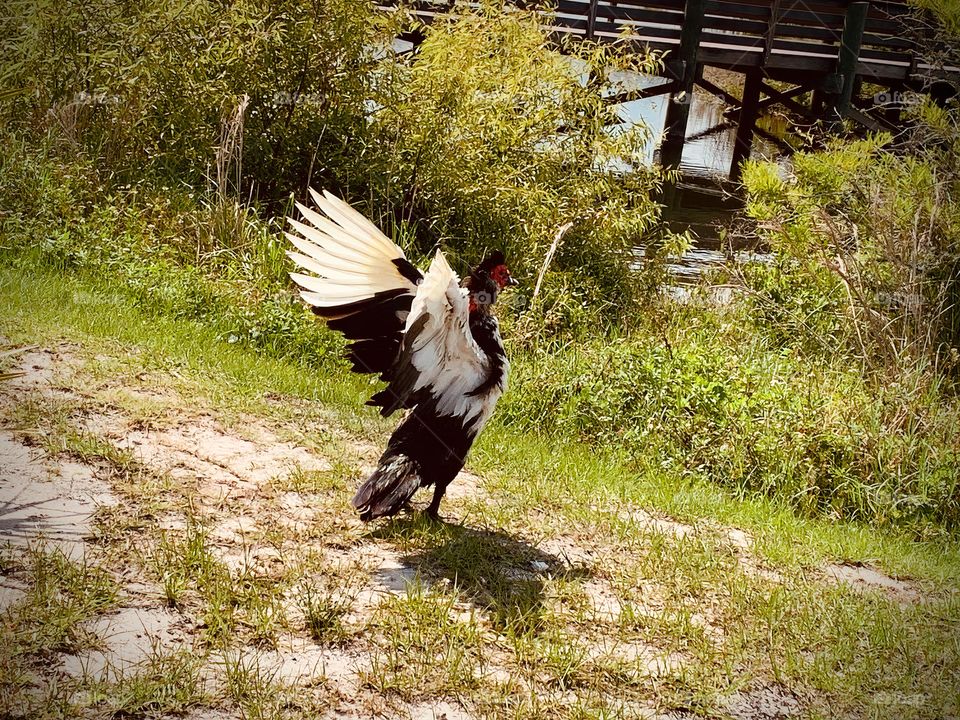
<point x="704" y="201"/>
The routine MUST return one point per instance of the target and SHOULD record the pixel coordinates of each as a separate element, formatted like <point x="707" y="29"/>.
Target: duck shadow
<point x="490" y="569"/>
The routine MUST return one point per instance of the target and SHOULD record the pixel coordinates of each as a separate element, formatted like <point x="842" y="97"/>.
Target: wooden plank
<point x="779" y="98"/>
<point x="645" y="15"/>
<point x="802" y="32"/>
<point x="832" y="50"/>
<point x="671" y="5"/>
<point x="741" y="58"/>
<point x="592" y="20"/>
<point x="797" y="15"/>
<point x="773" y="98"/>
<point x="642" y="93"/>
<point x="771" y="31"/>
<point x="718" y="91"/>
<point x="870" y="122"/>
<point x="878" y="9"/>
<point x="603" y="27"/>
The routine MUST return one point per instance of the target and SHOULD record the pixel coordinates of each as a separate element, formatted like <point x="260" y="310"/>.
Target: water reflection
<point x="708" y="150"/>
<point x="701" y="204"/>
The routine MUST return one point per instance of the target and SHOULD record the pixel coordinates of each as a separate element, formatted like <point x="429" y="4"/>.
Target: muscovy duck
<point x="429" y="336"/>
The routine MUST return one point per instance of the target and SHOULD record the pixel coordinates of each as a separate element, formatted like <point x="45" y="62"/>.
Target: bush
<point x="153" y="89"/>
<point x="867" y="252"/>
<point x="216" y="263"/>
<point x="488" y="138"/>
<point x="707" y="396"/>
<point x="485" y="137"/>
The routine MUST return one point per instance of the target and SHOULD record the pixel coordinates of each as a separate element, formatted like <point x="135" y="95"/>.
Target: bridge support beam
<point x="678" y="109"/>
<point x="853" y="26"/>
<point x="749" y="110"/>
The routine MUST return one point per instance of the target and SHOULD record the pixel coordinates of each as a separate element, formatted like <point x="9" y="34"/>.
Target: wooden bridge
<point x="823" y="51"/>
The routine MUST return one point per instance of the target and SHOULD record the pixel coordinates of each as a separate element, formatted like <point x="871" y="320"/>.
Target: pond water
<point x="708" y="151"/>
<point x="705" y="201"/>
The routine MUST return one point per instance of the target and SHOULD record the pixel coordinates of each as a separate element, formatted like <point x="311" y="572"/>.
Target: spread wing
<point x="359" y="280"/>
<point x="439" y="361"/>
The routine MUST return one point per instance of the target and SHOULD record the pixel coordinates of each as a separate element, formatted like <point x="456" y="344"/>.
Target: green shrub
<point x="867" y="252"/>
<point x="712" y="399"/>
<point x="163" y="250"/>
<point x="152" y="89"/>
<point x="485" y="137"/>
<point x="488" y="138"/>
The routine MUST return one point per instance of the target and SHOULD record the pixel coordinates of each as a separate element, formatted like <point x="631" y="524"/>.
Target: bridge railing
<point x="785" y="37"/>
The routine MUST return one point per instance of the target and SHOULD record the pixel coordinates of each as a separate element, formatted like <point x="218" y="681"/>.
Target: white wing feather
<point x="350" y="261"/>
<point x="349" y="258"/>
<point x="448" y="360"/>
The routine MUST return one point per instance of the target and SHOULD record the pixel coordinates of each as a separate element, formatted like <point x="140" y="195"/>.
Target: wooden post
<point x="817" y="102"/>
<point x="771" y="32"/>
<point x="592" y="20"/>
<point x="853" y="25"/>
<point x="749" y="109"/>
<point x="678" y="109"/>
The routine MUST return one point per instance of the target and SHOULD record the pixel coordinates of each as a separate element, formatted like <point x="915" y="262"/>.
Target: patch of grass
<point x="554" y="658"/>
<point x="317" y="482"/>
<point x="21" y="698"/>
<point x="851" y="646"/>
<point x="540" y="479"/>
<point x="90" y="447"/>
<point x="323" y="609"/>
<point x="506" y="615"/>
<point x="264" y="613"/>
<point x="166" y="682"/>
<point x="424" y="649"/>
<point x="62" y="595"/>
<point x="45" y="420"/>
<point x="490" y="568"/>
<point x="52" y="423"/>
<point x="228" y="605"/>
<point x="189" y="572"/>
<point x="253" y="687"/>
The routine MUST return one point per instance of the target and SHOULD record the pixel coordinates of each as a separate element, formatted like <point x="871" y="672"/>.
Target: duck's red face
<point x="501" y="275"/>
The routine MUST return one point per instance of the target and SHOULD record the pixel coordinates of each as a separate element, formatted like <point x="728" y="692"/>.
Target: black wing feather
<point x="403" y="375"/>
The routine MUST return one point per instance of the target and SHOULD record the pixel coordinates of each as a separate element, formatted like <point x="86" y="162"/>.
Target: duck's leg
<point x="433" y="510"/>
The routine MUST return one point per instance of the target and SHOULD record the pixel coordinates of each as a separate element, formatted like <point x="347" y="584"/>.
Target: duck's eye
<point x="501" y="275"/>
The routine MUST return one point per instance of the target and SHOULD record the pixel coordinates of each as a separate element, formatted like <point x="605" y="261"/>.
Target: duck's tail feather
<point x="389" y="488"/>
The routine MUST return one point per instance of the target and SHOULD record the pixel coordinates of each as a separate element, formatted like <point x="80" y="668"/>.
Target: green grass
<point x="537" y="472"/>
<point x="423" y="649"/>
<point x="167" y="682"/>
<point x="504" y="617"/>
<point x="761" y="398"/>
<point x="63" y="594"/>
<point x="49" y="619"/>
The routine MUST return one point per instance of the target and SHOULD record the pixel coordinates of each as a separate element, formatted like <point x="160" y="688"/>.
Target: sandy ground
<point x="232" y="468"/>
